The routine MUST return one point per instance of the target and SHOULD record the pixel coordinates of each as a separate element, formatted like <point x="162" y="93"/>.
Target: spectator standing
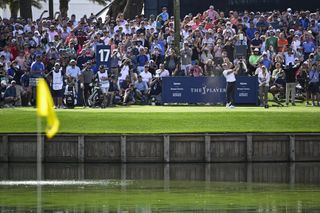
<point x="57" y="77"/>
<point x="186" y="55"/>
<point x="313" y="84"/>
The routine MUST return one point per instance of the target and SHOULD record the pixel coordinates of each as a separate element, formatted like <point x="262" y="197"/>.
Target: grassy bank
<point x="165" y="119"/>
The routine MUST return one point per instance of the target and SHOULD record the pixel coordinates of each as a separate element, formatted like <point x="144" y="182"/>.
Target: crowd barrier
<point x="194" y="90"/>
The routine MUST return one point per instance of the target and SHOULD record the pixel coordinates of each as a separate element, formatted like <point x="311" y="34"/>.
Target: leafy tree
<point x="64" y="5"/>
<point x="15" y="5"/>
<point x="130" y="8"/>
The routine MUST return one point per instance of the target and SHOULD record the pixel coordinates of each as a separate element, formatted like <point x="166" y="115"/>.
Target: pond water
<point x="146" y="188"/>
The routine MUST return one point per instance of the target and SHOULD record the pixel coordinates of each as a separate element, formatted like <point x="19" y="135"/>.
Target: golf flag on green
<point x="45" y="108"/>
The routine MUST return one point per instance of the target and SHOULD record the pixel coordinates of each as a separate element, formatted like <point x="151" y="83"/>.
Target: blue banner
<point x="103" y="55"/>
<point x="207" y="90"/>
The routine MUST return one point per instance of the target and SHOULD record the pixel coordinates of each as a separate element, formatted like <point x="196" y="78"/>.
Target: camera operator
<point x="155" y="89"/>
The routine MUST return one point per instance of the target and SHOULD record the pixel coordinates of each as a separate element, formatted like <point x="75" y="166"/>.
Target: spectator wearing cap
<point x="272" y="40"/>
<point x="295" y="43"/>
<point x="10" y="95"/>
<point x="262" y="24"/>
<point x="37" y="68"/>
<point x="313" y="84"/>
<point x="164" y="15"/>
<point x="104" y="83"/>
<point x="74" y="73"/>
<point x="52" y="33"/>
<point x="308" y="47"/>
<point x="266" y="61"/>
<point x="56" y="76"/>
<point x="254" y="58"/>
<point x="141" y="89"/>
<point x="142" y="60"/>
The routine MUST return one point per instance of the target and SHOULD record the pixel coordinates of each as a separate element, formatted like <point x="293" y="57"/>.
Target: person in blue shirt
<point x="37" y="67"/>
<point x="251" y="31"/>
<point x="10" y="95"/>
<point x="308" y="48"/>
<point x="164" y="14"/>
<point x="266" y="62"/>
<point x="313" y="84"/>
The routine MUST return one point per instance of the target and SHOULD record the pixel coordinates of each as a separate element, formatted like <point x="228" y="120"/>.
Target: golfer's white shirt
<point x="229" y="77"/>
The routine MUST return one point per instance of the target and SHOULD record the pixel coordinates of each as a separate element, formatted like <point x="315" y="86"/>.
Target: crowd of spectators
<point x="282" y="48"/>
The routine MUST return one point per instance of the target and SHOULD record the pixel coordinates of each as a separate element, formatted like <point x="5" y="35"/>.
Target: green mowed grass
<point x="169" y="119"/>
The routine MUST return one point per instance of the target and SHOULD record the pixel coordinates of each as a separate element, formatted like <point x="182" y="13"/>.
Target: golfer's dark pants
<point x="231" y="89"/>
<point x="87" y="92"/>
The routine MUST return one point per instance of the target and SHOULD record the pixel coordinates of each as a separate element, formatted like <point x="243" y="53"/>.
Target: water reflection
<point x="308" y="173"/>
<point x="146" y="188"/>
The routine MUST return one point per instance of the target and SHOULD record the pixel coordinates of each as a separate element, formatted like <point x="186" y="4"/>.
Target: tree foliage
<point x="130" y="8"/>
<point x="15" y="5"/>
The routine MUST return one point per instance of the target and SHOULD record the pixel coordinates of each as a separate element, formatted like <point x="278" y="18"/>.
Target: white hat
<point x="72" y="60"/>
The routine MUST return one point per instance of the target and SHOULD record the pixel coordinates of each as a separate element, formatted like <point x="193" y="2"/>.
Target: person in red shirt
<point x="196" y="70"/>
<point x="282" y="43"/>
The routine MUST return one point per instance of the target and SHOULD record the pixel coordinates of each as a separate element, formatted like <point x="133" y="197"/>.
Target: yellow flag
<point x="45" y="108"/>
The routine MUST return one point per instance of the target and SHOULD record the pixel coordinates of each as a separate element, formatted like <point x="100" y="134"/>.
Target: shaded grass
<point x="147" y="119"/>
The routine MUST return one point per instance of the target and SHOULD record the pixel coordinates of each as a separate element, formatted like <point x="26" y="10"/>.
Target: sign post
<point x="103" y="55"/>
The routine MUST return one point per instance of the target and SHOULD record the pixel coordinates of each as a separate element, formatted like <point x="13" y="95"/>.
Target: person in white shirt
<point x="52" y="33"/>
<point x="229" y="74"/>
<point x="264" y="79"/>
<point x="124" y="72"/>
<point x="104" y="83"/>
<point x="162" y="72"/>
<point x="57" y="84"/>
<point x="146" y="75"/>
<point x="74" y="72"/>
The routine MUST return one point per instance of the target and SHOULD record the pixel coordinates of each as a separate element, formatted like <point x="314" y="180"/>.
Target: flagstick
<point x="39" y="164"/>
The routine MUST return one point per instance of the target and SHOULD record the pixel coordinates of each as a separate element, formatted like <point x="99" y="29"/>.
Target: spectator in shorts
<point x="57" y="79"/>
<point x="313" y="84"/>
<point x="104" y="83"/>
